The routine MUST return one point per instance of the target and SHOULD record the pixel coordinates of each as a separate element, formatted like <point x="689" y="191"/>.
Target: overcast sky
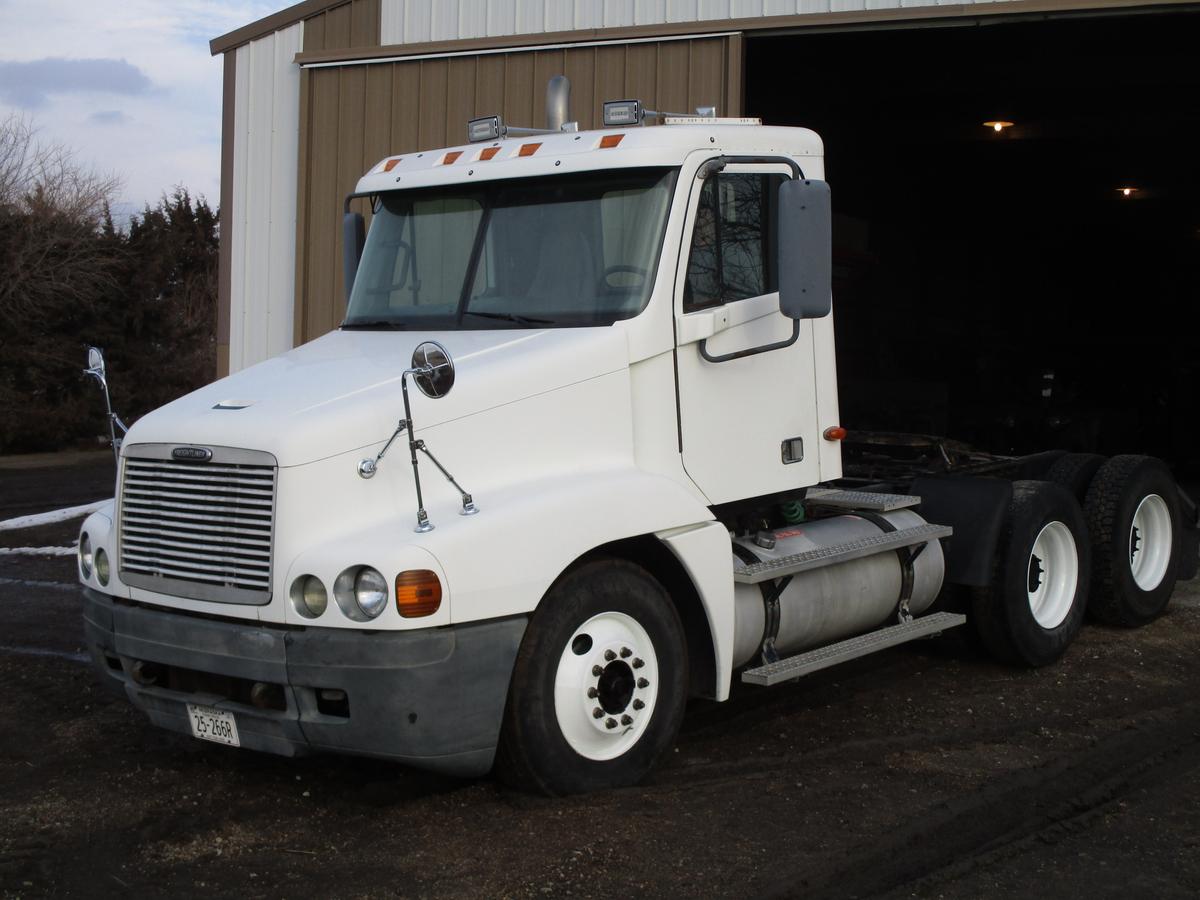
<point x="127" y="84"/>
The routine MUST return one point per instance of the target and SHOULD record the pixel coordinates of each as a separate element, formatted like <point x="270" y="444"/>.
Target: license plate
<point x="216" y="725"/>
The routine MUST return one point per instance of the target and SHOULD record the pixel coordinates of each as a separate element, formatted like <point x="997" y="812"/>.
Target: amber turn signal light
<point x="418" y="593"/>
<point x="835" y="433"/>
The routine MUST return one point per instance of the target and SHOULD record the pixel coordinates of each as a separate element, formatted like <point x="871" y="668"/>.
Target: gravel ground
<point x="925" y="771"/>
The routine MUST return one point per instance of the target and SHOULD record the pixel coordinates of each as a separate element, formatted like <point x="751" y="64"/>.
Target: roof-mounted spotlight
<point x="485" y="128"/>
<point x="998" y="125"/>
<point x="623" y="112"/>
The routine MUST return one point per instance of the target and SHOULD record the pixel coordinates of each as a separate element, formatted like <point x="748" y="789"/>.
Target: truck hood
<point x="342" y="391"/>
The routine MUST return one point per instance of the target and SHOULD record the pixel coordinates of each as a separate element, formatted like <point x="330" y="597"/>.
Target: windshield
<point x="559" y="251"/>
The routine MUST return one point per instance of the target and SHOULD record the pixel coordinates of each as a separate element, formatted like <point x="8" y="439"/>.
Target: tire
<point x="606" y="637"/>
<point x="1034" y="607"/>
<point x="1132" y="511"/>
<point x="1075" y="472"/>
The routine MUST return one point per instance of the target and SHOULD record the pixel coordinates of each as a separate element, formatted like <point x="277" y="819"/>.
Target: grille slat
<point x="199" y="530"/>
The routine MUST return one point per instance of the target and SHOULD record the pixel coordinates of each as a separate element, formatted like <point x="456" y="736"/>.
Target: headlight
<point x="102" y="567"/>
<point x="308" y="596"/>
<point x="85" y="555"/>
<point x="361" y="592"/>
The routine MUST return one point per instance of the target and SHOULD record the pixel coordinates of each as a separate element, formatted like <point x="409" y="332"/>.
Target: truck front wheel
<point x="599" y="686"/>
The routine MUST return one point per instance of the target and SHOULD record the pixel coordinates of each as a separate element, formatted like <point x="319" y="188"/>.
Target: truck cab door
<point x="748" y="420"/>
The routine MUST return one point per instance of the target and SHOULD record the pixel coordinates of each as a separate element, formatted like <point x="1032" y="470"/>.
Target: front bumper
<point x="432" y="698"/>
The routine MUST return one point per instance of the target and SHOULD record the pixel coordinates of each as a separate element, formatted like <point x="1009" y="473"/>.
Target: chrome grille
<point x="201" y="530"/>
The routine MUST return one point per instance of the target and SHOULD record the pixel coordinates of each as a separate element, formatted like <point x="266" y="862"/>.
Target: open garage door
<point x="1032" y="287"/>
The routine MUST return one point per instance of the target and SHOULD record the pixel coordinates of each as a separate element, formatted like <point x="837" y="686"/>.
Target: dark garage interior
<point x="1002" y="287"/>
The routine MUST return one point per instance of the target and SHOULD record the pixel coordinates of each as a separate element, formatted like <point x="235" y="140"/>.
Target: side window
<point x="733" y="242"/>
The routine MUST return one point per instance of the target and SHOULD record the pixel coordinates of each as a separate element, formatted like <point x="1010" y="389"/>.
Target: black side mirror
<point x="354" y="236"/>
<point x="805" y="249"/>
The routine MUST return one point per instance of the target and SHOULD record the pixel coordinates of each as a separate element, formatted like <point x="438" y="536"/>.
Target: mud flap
<point x="975" y="508"/>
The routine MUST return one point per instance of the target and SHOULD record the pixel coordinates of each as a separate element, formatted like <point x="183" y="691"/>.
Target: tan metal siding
<point x="355" y="115"/>
<point x="353" y="24"/>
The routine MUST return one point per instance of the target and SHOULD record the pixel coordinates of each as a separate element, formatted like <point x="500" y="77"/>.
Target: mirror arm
<point x="468" y="505"/>
<point x="114" y="420"/>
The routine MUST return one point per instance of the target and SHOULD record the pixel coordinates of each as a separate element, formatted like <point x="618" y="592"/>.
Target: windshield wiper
<point x="375" y="323"/>
<point x="509" y="317"/>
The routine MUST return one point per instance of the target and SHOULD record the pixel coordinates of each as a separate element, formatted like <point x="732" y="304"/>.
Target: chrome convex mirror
<point x="96" y="365"/>
<point x="433" y="371"/>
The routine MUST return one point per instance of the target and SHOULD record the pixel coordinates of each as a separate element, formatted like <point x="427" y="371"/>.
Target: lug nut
<point x="626" y="653"/>
<point x="642" y="683"/>
<point x="597" y="713"/>
<point x="626" y="720"/>
<point x="611" y="723"/>
<point x="638" y="704"/>
<point x="597" y="671"/>
<point x="593" y="693"/>
<point x="637" y="663"/>
<point x="609" y="655"/>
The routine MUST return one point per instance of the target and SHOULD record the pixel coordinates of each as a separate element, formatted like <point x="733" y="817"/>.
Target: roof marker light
<point x="488" y="152"/>
<point x="451" y="157"/>
<point x="391" y="164"/>
<point x="610" y="140"/>
<point x="529" y="149"/>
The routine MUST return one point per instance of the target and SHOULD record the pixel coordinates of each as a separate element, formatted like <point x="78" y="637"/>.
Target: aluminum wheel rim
<point x="608" y="664"/>
<point x="1150" y="541"/>
<point x="1053" y="575"/>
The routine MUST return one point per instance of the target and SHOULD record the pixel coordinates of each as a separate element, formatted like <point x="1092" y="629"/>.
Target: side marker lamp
<point x="418" y="593"/>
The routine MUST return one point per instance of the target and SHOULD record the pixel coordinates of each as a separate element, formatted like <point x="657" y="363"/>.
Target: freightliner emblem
<point x="192" y="454"/>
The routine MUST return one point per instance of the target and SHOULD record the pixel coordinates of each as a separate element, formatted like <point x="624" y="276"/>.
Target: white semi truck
<point x="623" y="354"/>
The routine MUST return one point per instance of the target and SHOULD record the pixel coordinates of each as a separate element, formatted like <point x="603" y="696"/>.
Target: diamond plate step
<point x="868" y="500"/>
<point x="770" y="569"/>
<point x="844" y="651"/>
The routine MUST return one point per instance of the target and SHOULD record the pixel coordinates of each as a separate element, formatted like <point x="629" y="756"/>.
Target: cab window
<point x="733" y="248"/>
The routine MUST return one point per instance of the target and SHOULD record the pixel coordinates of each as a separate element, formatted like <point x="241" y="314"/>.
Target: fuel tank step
<point x="844" y="651"/>
<point x="865" y="500"/>
<point x="770" y="569"/>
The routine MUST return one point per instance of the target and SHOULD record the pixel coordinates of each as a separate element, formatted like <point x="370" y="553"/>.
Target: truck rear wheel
<point x="599" y="686"/>
<point x="1075" y="472"/>
<point x="1034" y="606"/>
<point x="1132" y="511"/>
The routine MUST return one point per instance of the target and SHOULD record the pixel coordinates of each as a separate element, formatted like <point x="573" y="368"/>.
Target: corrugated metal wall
<point x="353" y="24"/>
<point x="417" y="21"/>
<point x="261" y="223"/>
<point x="328" y="125"/>
<point x="352" y="116"/>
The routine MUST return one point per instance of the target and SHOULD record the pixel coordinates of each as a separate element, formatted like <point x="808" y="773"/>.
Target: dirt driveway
<point x="926" y="771"/>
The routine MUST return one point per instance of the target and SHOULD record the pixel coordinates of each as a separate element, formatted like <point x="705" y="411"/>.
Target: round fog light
<point x="85" y="555"/>
<point x="361" y="593"/>
<point x="102" y="567"/>
<point x="308" y="596"/>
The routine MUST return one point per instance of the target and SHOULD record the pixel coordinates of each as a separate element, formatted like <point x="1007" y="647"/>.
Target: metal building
<point x="1101" y="94"/>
